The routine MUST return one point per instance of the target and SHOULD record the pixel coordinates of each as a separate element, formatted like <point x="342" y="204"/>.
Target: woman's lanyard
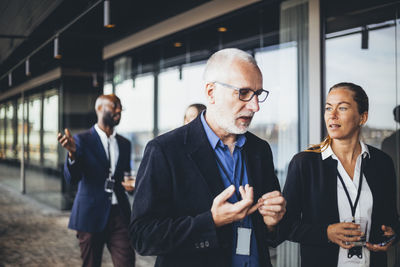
<point x="228" y="176"/>
<point x="353" y="207"/>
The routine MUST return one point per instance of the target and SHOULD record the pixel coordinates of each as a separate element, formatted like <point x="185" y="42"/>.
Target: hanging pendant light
<point x="27" y="69"/>
<point x="107" y="15"/>
<point x="57" y="53"/>
<point x="10" y="79"/>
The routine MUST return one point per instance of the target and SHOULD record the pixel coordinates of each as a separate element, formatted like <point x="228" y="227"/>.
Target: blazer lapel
<point x="370" y="174"/>
<point x="253" y="168"/>
<point x="201" y="153"/>
<point x="98" y="148"/>
<point x="121" y="151"/>
<point x="329" y="189"/>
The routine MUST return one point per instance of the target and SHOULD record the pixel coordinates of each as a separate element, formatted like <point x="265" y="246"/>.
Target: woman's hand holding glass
<point x="344" y="234"/>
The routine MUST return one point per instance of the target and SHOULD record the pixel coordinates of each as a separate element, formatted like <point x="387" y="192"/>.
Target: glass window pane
<point x="34" y="129"/>
<point x="374" y="69"/>
<point x="108" y="88"/>
<point x="177" y="90"/>
<point x="2" y="131"/>
<point x="50" y="129"/>
<point x="22" y="129"/>
<point x="137" y="99"/>
<point x="10" y="131"/>
<point x="277" y="119"/>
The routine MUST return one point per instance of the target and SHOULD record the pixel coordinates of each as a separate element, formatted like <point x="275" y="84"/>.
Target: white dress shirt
<point x="114" y="151"/>
<point x="364" y="207"/>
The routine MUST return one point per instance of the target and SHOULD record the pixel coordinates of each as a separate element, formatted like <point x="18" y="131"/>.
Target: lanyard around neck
<point x="353" y="207"/>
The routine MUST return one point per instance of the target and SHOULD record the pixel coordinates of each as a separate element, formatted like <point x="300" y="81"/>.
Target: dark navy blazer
<point x="176" y="184"/>
<point x="92" y="204"/>
<point x="311" y="194"/>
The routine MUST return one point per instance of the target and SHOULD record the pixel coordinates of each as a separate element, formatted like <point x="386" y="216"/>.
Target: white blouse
<point x="364" y="207"/>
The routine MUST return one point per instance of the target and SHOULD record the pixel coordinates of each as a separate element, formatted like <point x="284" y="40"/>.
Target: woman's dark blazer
<point x="311" y="195"/>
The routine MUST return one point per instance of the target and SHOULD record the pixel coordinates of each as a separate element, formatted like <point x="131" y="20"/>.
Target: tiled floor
<point x="33" y="234"/>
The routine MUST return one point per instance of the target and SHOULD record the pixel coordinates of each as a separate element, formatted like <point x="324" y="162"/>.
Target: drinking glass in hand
<point x="363" y="223"/>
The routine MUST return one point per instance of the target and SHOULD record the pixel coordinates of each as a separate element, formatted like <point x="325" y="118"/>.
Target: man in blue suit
<point x="96" y="161"/>
<point x="207" y="194"/>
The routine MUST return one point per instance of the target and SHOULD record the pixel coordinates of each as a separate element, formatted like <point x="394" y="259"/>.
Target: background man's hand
<point x="129" y="185"/>
<point x="344" y="234"/>
<point x="272" y="206"/>
<point x="68" y="143"/>
<point x="224" y="212"/>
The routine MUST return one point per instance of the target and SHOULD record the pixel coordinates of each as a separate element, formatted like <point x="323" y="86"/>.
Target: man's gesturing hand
<point x="224" y="212"/>
<point x="272" y="208"/>
<point x="67" y="142"/>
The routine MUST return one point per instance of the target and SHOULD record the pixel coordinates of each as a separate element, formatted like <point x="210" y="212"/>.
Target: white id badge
<point x="243" y="241"/>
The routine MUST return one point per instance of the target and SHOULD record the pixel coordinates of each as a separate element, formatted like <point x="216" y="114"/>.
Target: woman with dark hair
<point x="342" y="178"/>
<point x="192" y="112"/>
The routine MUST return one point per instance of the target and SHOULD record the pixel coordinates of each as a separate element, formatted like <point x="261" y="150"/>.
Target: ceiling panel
<point x="20" y="18"/>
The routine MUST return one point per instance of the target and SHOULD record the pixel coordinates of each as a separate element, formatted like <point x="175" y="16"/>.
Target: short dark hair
<point x="360" y="96"/>
<point x="198" y="106"/>
<point x="396" y="113"/>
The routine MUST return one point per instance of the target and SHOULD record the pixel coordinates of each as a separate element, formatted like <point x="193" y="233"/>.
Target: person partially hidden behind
<point x="96" y="161"/>
<point x="391" y="144"/>
<point x="192" y="111"/>
<point x="199" y="186"/>
<point x="337" y="182"/>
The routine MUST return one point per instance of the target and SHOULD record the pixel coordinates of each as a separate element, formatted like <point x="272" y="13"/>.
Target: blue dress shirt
<point x="232" y="166"/>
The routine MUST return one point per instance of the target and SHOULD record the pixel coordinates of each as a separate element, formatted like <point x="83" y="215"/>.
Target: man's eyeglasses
<point x="246" y="94"/>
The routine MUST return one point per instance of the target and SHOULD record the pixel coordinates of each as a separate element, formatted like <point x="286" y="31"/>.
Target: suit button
<point x="206" y="244"/>
<point x="202" y="244"/>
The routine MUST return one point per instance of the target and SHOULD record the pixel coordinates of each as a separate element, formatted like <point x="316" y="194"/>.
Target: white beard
<point x="226" y="121"/>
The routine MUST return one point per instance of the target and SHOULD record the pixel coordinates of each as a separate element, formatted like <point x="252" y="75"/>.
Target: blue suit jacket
<point x="92" y="204"/>
<point x="176" y="184"/>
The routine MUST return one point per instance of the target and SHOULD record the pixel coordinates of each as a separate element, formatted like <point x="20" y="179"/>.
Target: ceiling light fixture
<point x="27" y="69"/>
<point x="10" y="79"/>
<point x="107" y="15"/>
<point x="177" y="44"/>
<point x="57" y="54"/>
<point x="222" y="29"/>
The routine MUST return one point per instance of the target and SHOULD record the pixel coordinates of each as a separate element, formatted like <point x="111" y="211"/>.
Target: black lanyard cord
<point x="353" y="207"/>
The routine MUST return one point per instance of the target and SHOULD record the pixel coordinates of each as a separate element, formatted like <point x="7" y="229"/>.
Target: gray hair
<point x="222" y="58"/>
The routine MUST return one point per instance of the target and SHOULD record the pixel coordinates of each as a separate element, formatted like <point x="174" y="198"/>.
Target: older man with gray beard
<point x="207" y="194"/>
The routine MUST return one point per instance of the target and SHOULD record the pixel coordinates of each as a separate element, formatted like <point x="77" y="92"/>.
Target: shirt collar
<point x="102" y="134"/>
<point x="329" y="152"/>
<point x="214" y="139"/>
